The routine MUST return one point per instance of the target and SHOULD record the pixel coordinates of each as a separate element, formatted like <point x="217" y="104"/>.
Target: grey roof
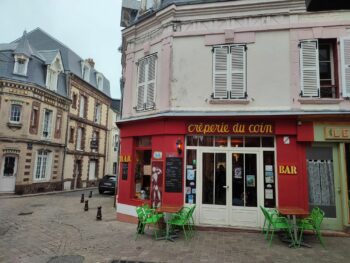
<point x="116" y="104"/>
<point x="48" y="55"/>
<point x="41" y="40"/>
<point x="36" y="70"/>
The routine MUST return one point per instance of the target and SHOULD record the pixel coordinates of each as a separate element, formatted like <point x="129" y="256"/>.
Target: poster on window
<point x="156" y="183"/>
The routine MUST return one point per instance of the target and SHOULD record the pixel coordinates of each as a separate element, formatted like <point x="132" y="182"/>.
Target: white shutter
<point x="345" y="64"/>
<point x="141" y="84"/>
<point x="309" y="69"/>
<point x="238" y="71"/>
<point x="220" y="71"/>
<point x="151" y="76"/>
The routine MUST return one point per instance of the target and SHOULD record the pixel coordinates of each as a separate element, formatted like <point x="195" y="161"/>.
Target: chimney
<point x="91" y="62"/>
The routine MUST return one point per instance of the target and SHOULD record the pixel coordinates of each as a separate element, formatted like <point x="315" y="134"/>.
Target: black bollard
<point x="82" y="198"/>
<point x="99" y="213"/>
<point x="86" y="208"/>
<point x="90" y="195"/>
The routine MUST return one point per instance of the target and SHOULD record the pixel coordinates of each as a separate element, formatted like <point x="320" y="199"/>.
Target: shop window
<point x="143" y="174"/>
<point x="269" y="179"/>
<point x="220" y="141"/>
<point x="347" y="155"/>
<point x="143" y="141"/>
<point x="252" y="142"/>
<point x="206" y="141"/>
<point x="192" y="140"/>
<point x="236" y="141"/>
<point x="321" y="179"/>
<point x="267" y="141"/>
<point x="191" y="170"/>
<point x="318" y="68"/>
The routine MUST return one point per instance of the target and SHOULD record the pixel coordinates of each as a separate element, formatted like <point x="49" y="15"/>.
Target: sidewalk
<point x="55" y="226"/>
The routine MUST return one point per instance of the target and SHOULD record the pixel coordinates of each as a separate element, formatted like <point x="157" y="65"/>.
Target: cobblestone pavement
<point x="55" y="228"/>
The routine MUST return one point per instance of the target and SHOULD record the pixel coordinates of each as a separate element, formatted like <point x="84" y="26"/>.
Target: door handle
<point x="225" y="186"/>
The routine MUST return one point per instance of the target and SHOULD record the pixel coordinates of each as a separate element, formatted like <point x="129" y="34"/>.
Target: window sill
<point x="20" y="74"/>
<point x="229" y="101"/>
<point x="44" y="180"/>
<point x="14" y="125"/>
<point x="319" y="101"/>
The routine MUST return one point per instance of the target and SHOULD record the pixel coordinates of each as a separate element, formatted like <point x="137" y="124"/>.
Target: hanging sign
<point x="229" y="128"/>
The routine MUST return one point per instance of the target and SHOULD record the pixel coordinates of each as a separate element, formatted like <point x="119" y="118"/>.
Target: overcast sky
<point x="88" y="27"/>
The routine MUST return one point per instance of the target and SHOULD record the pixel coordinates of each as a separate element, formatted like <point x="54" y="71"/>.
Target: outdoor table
<point x="294" y="212"/>
<point x="168" y="210"/>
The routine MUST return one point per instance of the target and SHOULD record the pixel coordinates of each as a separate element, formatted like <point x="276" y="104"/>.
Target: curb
<point x="7" y="196"/>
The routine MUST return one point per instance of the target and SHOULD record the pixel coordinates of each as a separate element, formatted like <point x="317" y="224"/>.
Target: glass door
<point x="214" y="188"/>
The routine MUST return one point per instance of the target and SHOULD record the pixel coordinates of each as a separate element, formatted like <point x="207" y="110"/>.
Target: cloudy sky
<point x="88" y="27"/>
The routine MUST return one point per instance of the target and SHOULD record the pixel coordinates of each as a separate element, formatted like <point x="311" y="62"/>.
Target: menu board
<point x="125" y="168"/>
<point x="173" y="175"/>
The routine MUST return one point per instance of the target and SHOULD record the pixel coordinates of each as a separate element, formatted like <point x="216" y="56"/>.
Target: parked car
<point x="107" y="183"/>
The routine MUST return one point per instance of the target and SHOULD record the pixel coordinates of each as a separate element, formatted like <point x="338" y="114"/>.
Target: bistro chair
<point x="270" y="211"/>
<point x="147" y="216"/>
<point x="276" y="222"/>
<point x="183" y="219"/>
<point x="313" y="223"/>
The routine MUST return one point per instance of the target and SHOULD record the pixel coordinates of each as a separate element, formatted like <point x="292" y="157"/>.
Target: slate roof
<point x="41" y="40"/>
<point x="116" y="105"/>
<point x="48" y="55"/>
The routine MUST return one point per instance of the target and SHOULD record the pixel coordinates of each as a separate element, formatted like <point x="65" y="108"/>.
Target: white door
<point x="92" y="170"/>
<point x="230" y="188"/>
<point x="8" y="173"/>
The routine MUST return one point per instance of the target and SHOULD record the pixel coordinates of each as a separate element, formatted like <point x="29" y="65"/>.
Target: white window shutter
<point x="345" y="64"/>
<point x="151" y="76"/>
<point x="309" y="69"/>
<point x="238" y="71"/>
<point x="141" y="84"/>
<point x="220" y="71"/>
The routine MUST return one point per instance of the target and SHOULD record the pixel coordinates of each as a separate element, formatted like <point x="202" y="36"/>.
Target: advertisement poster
<point x="190" y="174"/>
<point x="238" y="173"/>
<point x="251" y="180"/>
<point x="268" y="194"/>
<point x="269" y="177"/>
<point x="156" y="184"/>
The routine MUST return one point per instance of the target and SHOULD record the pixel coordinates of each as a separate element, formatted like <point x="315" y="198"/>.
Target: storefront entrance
<point x="230" y="185"/>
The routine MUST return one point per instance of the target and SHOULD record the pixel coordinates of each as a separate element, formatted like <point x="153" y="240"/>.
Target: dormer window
<point x="53" y="71"/>
<point x="99" y="81"/>
<point x="85" y="71"/>
<point x="21" y="65"/>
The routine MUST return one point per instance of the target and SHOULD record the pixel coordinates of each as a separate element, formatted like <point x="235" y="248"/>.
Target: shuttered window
<point x="309" y="69"/>
<point x="345" y="64"/>
<point x="229" y="72"/>
<point x="146" y="83"/>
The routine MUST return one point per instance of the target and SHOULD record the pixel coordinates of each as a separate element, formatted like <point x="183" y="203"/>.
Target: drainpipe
<point x="107" y="133"/>
<point x="66" y="138"/>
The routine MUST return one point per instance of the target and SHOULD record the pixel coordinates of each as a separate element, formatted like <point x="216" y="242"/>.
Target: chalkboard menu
<point x="125" y="168"/>
<point x="173" y="175"/>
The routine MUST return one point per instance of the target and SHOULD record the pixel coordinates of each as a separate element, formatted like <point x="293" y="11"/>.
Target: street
<point x="55" y="228"/>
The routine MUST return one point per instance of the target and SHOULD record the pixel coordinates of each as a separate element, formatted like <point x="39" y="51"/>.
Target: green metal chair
<point x="146" y="216"/>
<point x="313" y="223"/>
<point x="276" y="222"/>
<point x="183" y="219"/>
<point x="270" y="211"/>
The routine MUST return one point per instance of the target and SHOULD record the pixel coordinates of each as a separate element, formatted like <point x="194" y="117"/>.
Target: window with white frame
<point x="229" y="72"/>
<point x="21" y="65"/>
<point x="146" y="83"/>
<point x="98" y="108"/>
<point x="99" y="81"/>
<point x="80" y="134"/>
<point x="82" y="105"/>
<point x="86" y="71"/>
<point x="52" y="73"/>
<point x="319" y="68"/>
<point x="43" y="165"/>
<point x="47" y="124"/>
<point x="15" y="114"/>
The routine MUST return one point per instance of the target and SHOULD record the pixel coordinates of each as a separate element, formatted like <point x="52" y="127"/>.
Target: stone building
<point x="55" y="107"/>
